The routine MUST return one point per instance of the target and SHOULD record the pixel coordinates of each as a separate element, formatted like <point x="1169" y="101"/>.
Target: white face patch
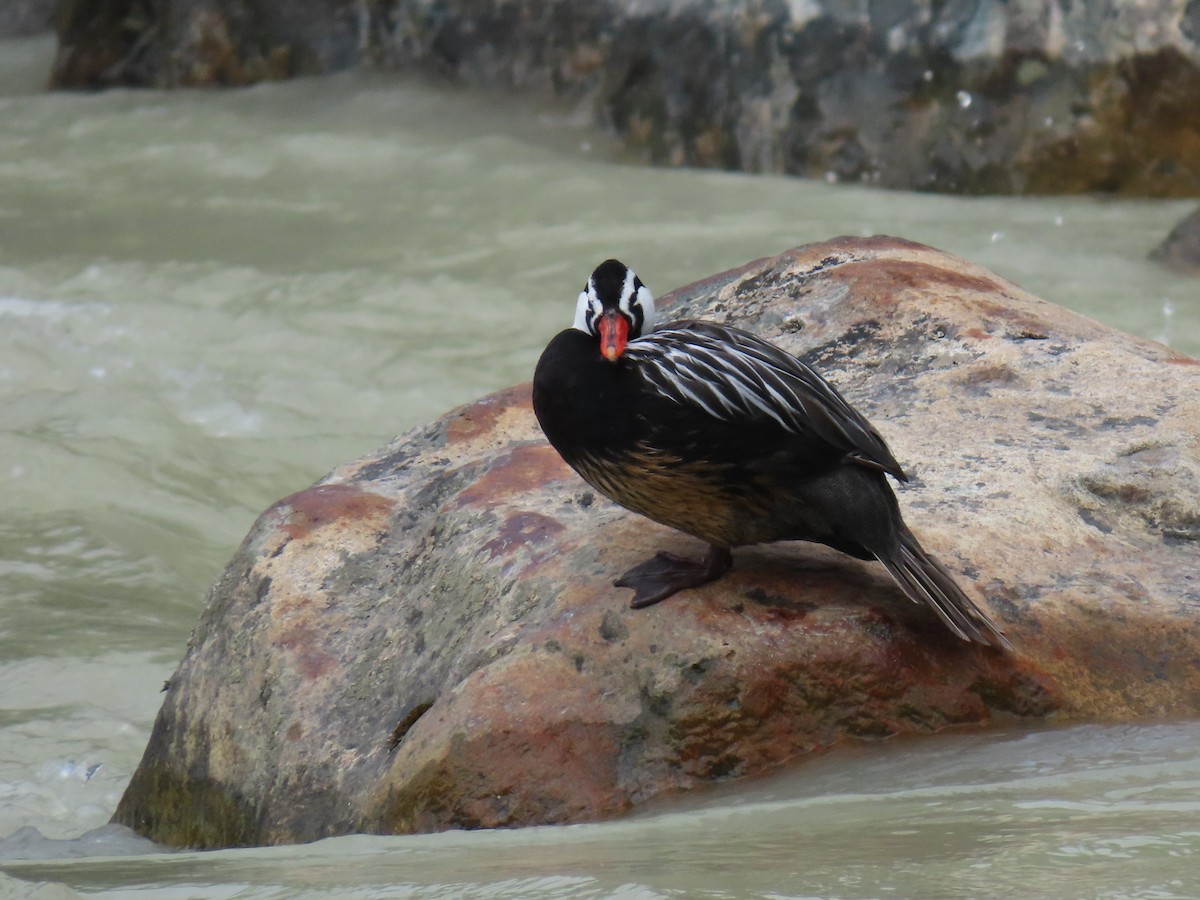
<point x="587" y="309"/>
<point x="645" y="301"/>
<point x="637" y="304"/>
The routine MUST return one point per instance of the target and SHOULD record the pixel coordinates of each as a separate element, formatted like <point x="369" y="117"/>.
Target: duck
<point x="720" y="434"/>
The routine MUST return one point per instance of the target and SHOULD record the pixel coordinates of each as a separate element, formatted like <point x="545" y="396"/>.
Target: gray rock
<point x="105" y="43"/>
<point x="429" y="638"/>
<point x="972" y="96"/>
<point x="1180" y="250"/>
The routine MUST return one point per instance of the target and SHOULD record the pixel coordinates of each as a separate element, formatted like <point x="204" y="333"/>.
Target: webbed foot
<point x="665" y="574"/>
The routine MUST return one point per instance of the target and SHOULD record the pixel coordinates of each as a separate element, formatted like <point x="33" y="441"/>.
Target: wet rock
<point x="981" y="96"/>
<point x="1180" y="249"/>
<point x="429" y="638"/>
<point x="171" y="43"/>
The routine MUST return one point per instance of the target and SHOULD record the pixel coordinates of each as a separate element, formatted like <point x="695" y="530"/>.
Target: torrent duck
<point x="720" y="434"/>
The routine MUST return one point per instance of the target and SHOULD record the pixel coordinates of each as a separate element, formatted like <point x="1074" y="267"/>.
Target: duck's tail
<point x="925" y="580"/>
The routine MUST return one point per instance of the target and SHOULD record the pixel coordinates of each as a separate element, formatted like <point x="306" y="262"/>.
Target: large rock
<point x="170" y="43"/>
<point x="978" y="96"/>
<point x="1180" y="250"/>
<point x="429" y="638"/>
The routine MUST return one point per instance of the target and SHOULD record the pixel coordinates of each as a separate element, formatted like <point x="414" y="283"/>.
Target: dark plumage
<point x="713" y="431"/>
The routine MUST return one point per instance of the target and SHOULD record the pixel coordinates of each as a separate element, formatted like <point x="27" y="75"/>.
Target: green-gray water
<point x="207" y="300"/>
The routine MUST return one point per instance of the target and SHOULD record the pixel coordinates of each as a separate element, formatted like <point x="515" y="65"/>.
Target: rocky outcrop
<point x="170" y="43"/>
<point x="429" y="638"/>
<point x="1180" y="250"/>
<point x="982" y="96"/>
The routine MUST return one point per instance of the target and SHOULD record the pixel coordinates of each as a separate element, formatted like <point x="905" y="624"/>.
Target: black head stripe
<point x="639" y="318"/>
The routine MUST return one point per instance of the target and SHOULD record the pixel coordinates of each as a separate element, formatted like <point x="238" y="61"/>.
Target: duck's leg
<point x="658" y="578"/>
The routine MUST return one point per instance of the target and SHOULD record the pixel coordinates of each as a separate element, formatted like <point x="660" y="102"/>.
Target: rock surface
<point x="979" y="96"/>
<point x="1180" y="250"/>
<point x="429" y="639"/>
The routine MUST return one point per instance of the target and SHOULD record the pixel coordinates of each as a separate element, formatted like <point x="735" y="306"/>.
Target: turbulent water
<point x="207" y="300"/>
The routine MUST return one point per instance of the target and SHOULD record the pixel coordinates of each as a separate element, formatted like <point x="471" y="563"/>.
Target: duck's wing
<point x="736" y="376"/>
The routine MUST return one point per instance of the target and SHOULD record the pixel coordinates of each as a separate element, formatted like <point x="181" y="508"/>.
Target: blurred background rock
<point x="968" y="96"/>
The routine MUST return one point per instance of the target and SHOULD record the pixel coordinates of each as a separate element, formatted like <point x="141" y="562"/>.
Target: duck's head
<point x="614" y="307"/>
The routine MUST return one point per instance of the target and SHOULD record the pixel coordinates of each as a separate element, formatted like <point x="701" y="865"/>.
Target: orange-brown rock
<point x="429" y="638"/>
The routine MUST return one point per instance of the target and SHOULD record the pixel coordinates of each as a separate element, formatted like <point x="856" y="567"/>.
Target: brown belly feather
<point x="696" y="497"/>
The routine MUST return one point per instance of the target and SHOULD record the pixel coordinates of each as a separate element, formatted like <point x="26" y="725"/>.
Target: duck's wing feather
<point x="736" y="376"/>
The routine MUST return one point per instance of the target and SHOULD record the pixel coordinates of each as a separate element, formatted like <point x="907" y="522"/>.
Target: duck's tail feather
<point x="925" y="580"/>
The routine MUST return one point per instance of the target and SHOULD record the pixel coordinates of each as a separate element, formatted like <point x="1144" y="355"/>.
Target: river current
<point x="208" y="300"/>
